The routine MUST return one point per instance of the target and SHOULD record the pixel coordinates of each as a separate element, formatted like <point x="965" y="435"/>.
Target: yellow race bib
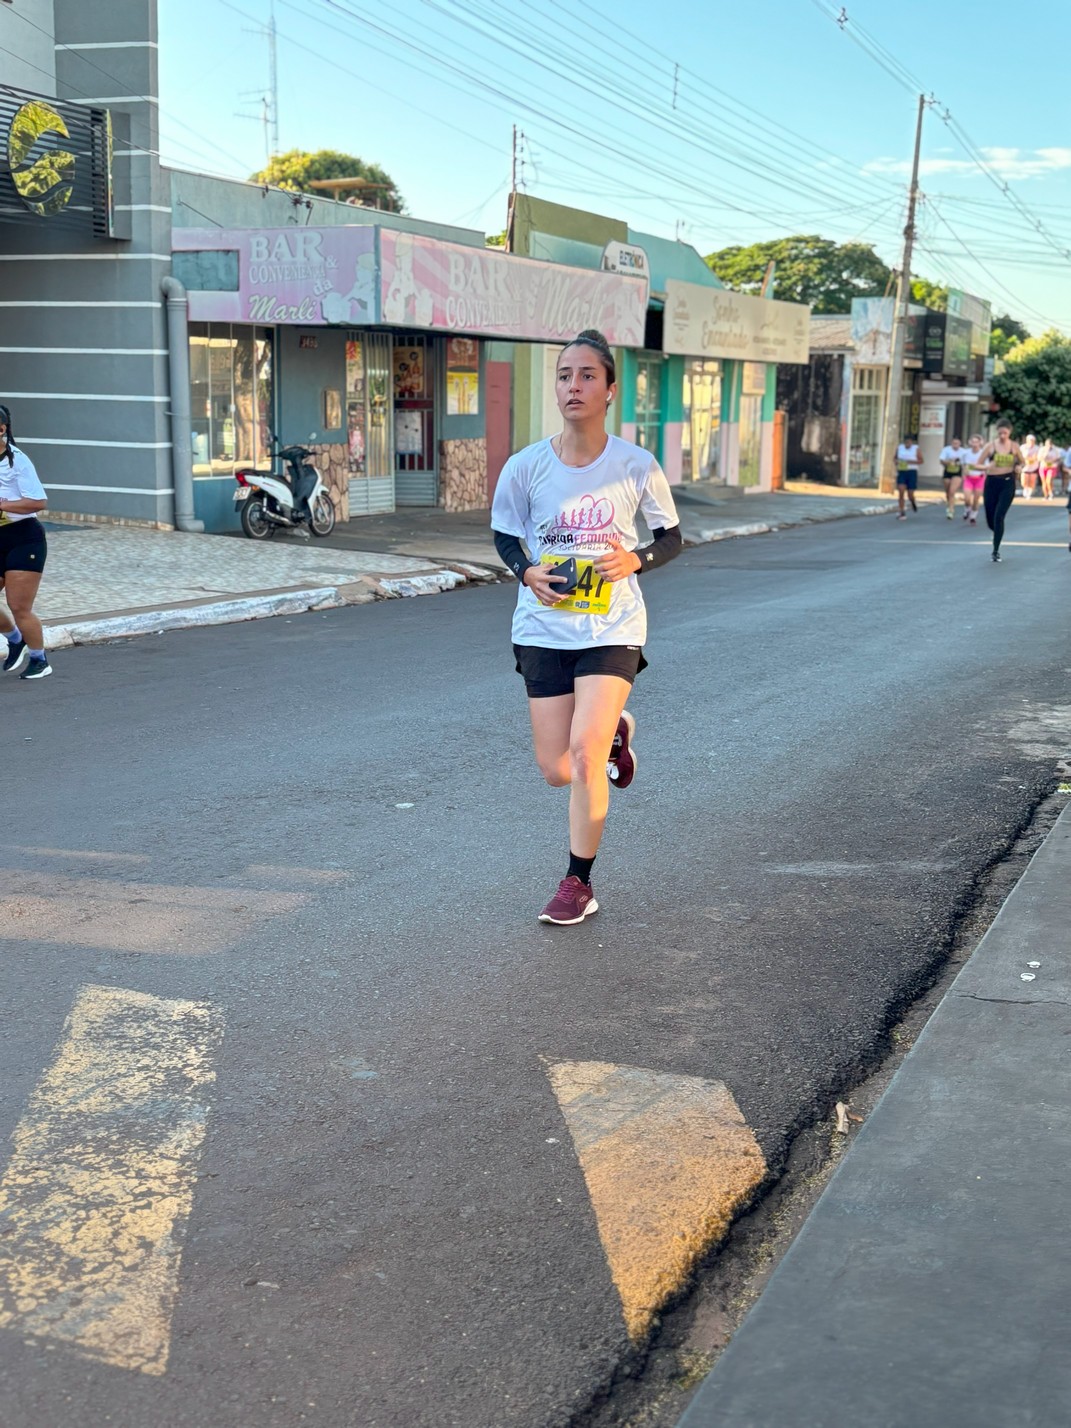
<point x="592" y="593"/>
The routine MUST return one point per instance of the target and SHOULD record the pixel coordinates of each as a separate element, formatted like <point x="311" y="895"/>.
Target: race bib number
<point x="592" y="593"/>
<point x="5" y="519"/>
<point x="952" y="469"/>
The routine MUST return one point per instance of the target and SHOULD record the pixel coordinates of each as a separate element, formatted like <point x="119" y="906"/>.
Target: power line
<point x="888" y="61"/>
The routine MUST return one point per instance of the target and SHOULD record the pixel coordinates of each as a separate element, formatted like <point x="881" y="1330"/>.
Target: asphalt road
<point x="268" y="916"/>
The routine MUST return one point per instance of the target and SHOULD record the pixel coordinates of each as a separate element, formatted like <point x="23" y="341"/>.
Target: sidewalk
<point x="929" y="1284"/>
<point x="105" y="581"/>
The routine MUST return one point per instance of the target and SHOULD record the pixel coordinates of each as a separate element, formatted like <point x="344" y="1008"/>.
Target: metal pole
<point x="891" y="433"/>
<point x="273" y="61"/>
<point x="513" y="170"/>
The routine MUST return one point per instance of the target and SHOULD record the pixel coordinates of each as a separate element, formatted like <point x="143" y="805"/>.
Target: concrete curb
<point x="707" y="537"/>
<point x="359" y="591"/>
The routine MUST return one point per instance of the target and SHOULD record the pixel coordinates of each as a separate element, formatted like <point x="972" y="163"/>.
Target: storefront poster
<point x="754" y="379"/>
<point x="409" y="433"/>
<point x="408" y="373"/>
<point x="462" y="376"/>
<point x="295" y="276"/>
<point x="449" y="287"/>
<point x="714" y="322"/>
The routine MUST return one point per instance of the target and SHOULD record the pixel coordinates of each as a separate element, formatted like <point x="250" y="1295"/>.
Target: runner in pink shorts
<point x="973" y="482"/>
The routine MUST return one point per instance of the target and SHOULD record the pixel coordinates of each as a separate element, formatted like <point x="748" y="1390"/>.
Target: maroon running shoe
<point x="621" y="766"/>
<point x="572" y="902"/>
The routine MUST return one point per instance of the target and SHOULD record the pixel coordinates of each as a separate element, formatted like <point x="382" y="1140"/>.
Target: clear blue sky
<point x="775" y="122"/>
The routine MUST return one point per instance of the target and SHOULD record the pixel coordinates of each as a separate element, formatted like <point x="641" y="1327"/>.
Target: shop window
<point x="701" y="433"/>
<point x="231" y="397"/>
<point x="649" y="405"/>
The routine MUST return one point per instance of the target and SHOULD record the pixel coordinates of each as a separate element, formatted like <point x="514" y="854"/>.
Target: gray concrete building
<point x="85" y="229"/>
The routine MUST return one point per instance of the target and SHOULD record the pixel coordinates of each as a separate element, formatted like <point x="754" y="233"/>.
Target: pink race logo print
<point x="589" y="515"/>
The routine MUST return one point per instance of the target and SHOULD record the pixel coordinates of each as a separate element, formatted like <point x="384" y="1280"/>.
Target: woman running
<point x="1049" y="469"/>
<point x="580" y="622"/>
<point x="1031" y="466"/>
<point x="973" y="480"/>
<point x="908" y="462"/>
<point x="22" y="555"/>
<point x="1001" y="459"/>
<point x="952" y="459"/>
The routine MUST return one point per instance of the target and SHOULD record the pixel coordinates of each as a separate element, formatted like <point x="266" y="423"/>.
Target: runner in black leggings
<point x="1001" y="459"/>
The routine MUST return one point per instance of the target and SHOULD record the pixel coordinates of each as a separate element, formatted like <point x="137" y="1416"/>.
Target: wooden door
<point x="498" y="385"/>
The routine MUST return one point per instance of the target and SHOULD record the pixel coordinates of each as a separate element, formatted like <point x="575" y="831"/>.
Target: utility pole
<point x="273" y="80"/>
<point x="890" y="437"/>
<point x="513" y="171"/>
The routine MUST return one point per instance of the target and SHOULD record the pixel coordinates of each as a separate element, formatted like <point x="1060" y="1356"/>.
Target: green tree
<point x="496" y="240"/>
<point x="297" y="169"/>
<point x="1034" y="390"/>
<point x="1006" y="334"/>
<point x="809" y="269"/>
<point x="930" y="295"/>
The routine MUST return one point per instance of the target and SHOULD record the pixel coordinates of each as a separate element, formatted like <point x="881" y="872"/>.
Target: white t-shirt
<point x="906" y="456"/>
<point x="564" y="510"/>
<point x="957" y="455"/>
<point x="18" y="482"/>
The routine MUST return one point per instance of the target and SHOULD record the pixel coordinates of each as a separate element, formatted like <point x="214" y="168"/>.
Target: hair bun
<point x="592" y="335"/>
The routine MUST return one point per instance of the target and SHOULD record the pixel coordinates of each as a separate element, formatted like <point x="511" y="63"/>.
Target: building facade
<point x="84" y="244"/>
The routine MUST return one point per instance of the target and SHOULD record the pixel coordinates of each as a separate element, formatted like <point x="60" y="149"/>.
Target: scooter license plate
<point x="243" y="493"/>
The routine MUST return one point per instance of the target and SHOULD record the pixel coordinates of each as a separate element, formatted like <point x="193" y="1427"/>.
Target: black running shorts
<point x="22" y="546"/>
<point x="548" y="673"/>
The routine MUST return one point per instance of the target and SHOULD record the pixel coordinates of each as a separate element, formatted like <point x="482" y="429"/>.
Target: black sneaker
<point x="36" y="669"/>
<point x="996" y="556"/>
<point x="16" y="653"/>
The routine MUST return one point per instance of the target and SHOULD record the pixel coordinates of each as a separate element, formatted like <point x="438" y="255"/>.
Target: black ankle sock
<point x="580" y="868"/>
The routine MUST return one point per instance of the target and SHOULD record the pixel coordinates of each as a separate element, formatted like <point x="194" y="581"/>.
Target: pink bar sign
<point x="449" y="287"/>
<point x="291" y="276"/>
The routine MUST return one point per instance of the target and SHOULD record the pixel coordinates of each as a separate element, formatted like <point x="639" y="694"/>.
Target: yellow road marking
<point x="668" y="1161"/>
<point x="100" y="1182"/>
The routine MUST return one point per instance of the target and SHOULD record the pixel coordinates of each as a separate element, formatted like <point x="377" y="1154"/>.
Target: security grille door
<point x="368" y="398"/>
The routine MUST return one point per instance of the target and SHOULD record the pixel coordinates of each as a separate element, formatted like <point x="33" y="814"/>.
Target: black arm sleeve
<point x="666" y="545"/>
<point x="512" y="552"/>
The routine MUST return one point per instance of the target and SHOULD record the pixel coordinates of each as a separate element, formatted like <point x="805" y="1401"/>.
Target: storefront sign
<point x="978" y="313"/>
<point x="290" y="276"/>
<point x="625" y="258"/>
<point x="957" y="355"/>
<point x="448" y="287"/>
<point x="713" y="322"/>
<point x="933" y="344"/>
<point x="55" y="162"/>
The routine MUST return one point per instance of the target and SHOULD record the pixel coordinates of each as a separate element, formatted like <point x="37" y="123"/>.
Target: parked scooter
<point x="268" y="501"/>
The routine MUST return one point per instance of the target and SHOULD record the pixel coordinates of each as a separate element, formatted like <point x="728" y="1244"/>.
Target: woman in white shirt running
<point x="1051" y="459"/>
<point x="1031" y="466"/>
<point x="580" y="623"/>
<point x="23" y="549"/>
<point x="908" y="462"/>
